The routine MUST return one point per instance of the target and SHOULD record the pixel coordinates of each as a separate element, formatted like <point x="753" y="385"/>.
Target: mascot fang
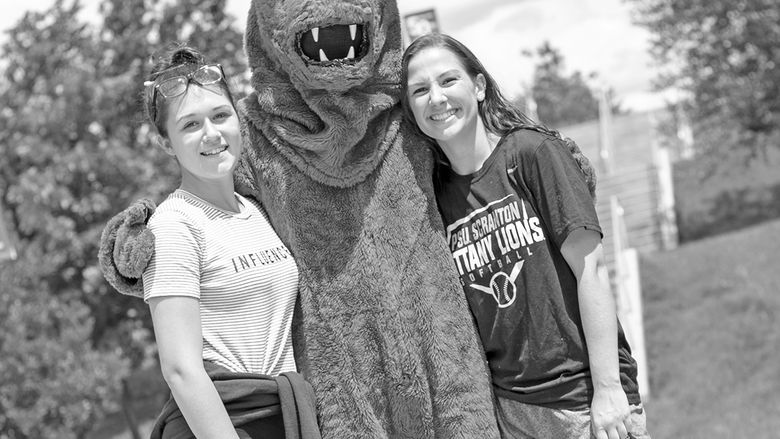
<point x="382" y="330"/>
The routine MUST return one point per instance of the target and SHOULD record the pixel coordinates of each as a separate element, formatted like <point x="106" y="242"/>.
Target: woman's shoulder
<point x="527" y="141"/>
<point x="176" y="208"/>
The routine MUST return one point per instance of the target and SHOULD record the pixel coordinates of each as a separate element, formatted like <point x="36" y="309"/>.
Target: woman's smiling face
<point x="442" y="96"/>
<point x="204" y="133"/>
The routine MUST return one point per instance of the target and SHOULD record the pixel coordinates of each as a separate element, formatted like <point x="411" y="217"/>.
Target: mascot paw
<point x="126" y="246"/>
<point x="134" y="241"/>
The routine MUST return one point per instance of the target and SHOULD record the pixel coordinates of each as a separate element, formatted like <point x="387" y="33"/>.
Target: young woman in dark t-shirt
<point x="517" y="202"/>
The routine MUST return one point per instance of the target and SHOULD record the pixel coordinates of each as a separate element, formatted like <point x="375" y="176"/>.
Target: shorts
<point x="517" y="420"/>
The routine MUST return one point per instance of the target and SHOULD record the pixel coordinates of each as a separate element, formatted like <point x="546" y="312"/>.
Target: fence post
<point x="127" y="410"/>
<point x="631" y="317"/>
<point x="667" y="217"/>
<point x="628" y="294"/>
<point x="605" y="131"/>
<point x="7" y="250"/>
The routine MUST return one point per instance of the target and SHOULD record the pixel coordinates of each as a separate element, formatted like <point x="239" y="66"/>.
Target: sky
<point x="594" y="36"/>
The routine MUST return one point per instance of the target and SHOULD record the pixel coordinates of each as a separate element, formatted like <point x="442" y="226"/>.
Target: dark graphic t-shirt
<point x="505" y="226"/>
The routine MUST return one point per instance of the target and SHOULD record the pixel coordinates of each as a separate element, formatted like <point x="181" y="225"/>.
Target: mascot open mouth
<point x="345" y="43"/>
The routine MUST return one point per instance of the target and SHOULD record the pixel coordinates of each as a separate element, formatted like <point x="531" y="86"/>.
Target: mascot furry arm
<point x="382" y="329"/>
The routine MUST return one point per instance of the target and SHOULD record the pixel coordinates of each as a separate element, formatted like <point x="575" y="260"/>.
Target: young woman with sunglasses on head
<point x="517" y="202"/>
<point x="221" y="285"/>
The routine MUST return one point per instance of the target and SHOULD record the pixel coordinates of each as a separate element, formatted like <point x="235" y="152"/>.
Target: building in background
<point x="419" y="23"/>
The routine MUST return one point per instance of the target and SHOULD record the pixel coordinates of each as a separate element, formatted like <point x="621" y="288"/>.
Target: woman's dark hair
<point x="499" y="115"/>
<point x="175" y="60"/>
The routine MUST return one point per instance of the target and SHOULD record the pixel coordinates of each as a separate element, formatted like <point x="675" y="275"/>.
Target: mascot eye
<point x="346" y="43"/>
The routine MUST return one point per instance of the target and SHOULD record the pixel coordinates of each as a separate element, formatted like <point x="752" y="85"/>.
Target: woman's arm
<point x="609" y="408"/>
<point x="177" y="329"/>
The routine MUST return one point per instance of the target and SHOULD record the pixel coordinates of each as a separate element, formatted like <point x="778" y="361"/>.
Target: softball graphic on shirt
<point x="502" y="286"/>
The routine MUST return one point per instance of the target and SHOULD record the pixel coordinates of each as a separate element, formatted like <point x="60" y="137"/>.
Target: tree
<point x="560" y="99"/>
<point x="75" y="151"/>
<point x="723" y="56"/>
<point x="54" y="384"/>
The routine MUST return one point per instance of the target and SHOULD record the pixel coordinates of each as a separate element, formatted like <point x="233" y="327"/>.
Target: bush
<point x="52" y="383"/>
<point x="735" y="192"/>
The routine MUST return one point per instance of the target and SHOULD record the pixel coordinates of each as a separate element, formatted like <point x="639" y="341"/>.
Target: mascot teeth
<point x="340" y="42"/>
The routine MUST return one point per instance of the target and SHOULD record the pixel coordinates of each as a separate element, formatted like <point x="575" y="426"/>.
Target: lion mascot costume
<point x="382" y="330"/>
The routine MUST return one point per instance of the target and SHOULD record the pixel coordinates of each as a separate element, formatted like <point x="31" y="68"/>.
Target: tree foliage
<point x="76" y="151"/>
<point x="54" y="384"/>
<point x="723" y="55"/>
<point x="561" y="99"/>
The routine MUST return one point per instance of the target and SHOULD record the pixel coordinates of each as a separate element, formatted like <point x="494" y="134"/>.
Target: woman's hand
<point x="608" y="412"/>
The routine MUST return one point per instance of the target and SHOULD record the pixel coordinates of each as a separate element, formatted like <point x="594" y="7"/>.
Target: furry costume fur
<point x="126" y="246"/>
<point x="382" y="330"/>
<point x="385" y="336"/>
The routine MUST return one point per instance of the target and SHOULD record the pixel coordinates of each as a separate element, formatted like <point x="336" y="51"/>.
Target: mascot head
<point x="325" y="74"/>
<point x="330" y="45"/>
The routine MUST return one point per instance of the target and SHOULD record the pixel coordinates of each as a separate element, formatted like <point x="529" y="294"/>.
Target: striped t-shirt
<point x="237" y="267"/>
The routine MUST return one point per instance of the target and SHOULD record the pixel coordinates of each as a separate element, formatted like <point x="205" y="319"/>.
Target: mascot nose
<point x="344" y="42"/>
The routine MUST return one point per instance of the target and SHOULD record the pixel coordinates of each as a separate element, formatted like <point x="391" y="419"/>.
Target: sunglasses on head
<point x="177" y="85"/>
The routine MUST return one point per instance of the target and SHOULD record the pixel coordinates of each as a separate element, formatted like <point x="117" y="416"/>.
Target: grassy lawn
<point x="712" y="329"/>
